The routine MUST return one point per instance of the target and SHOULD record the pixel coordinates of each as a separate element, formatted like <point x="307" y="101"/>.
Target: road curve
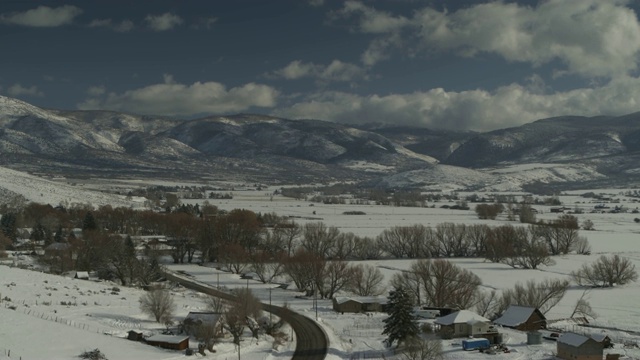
<point x="311" y="341"/>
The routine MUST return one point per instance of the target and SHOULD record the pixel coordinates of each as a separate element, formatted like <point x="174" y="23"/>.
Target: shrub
<point x="606" y="272"/>
<point x="94" y="354"/>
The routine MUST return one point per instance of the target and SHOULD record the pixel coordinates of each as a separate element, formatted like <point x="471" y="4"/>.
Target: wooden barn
<point x="522" y="318"/>
<point x="168" y="341"/>
<point x="359" y="304"/>
<point x="573" y="346"/>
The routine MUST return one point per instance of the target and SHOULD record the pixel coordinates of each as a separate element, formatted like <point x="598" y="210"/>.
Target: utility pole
<point x="218" y="286"/>
<point x="270" y="315"/>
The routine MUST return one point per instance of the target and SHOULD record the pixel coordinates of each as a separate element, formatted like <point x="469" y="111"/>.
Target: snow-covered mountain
<point x="270" y="149"/>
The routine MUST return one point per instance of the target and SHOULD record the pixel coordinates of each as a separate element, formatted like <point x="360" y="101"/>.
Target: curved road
<point x="311" y="341"/>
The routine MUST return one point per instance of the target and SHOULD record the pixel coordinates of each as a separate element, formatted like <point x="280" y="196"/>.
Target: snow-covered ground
<point x="100" y="319"/>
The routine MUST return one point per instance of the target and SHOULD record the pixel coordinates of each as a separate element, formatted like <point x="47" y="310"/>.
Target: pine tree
<point x="89" y="222"/>
<point x="58" y="236"/>
<point x="400" y="325"/>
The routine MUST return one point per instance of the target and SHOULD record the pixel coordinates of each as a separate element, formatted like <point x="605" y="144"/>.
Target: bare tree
<point x="336" y="275"/>
<point x="242" y="312"/>
<point x="291" y="233"/>
<point x="301" y="268"/>
<point x="445" y="284"/>
<point x="267" y="266"/>
<point x="418" y="348"/>
<point x="488" y="304"/>
<point x="320" y="239"/>
<point x="606" y="272"/>
<point x="214" y="304"/>
<point x="543" y="295"/>
<point x="366" y="280"/>
<point x="158" y="304"/>
<point x="582" y="246"/>
<point x="582" y="307"/>
<point x="365" y="248"/>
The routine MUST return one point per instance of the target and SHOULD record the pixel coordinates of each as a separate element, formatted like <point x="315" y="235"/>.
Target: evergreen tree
<point x="400" y="325"/>
<point x="89" y="222"/>
<point x="8" y="225"/>
<point x="58" y="236"/>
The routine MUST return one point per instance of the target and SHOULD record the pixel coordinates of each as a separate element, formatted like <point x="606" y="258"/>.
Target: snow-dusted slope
<point x="44" y="191"/>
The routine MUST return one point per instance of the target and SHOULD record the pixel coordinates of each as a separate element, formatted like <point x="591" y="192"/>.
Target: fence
<point x="10" y="354"/>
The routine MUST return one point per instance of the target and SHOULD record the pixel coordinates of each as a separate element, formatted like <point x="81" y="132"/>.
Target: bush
<point x="94" y="354"/>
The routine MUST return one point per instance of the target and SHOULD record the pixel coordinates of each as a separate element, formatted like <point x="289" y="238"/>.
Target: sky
<point x="460" y="65"/>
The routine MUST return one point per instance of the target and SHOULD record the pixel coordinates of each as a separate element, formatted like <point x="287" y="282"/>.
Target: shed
<point x="522" y="318"/>
<point x="461" y="324"/>
<point x="603" y="339"/>
<point x="573" y="346"/>
<point x="169" y="341"/>
<point x="196" y="319"/>
<point x="135" y="335"/>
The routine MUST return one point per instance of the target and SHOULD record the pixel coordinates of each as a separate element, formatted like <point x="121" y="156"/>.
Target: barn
<point x="573" y="346"/>
<point x="359" y="304"/>
<point x="168" y="341"/>
<point x="522" y="318"/>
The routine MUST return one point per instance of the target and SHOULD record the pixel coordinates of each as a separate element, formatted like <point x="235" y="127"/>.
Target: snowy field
<point x="100" y="319"/>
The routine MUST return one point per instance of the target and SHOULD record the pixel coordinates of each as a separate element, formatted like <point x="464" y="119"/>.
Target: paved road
<point x="311" y="341"/>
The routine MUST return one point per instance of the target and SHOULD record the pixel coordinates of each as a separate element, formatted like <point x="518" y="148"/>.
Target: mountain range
<point x="563" y="151"/>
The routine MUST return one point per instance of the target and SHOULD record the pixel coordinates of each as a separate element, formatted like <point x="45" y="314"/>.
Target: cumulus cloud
<point x="592" y="38"/>
<point x="173" y="98"/>
<point x="166" y="21"/>
<point x="479" y="110"/>
<point x="96" y="90"/>
<point x="19" y="90"/>
<point x="42" y="16"/>
<point x="122" y="26"/>
<point x="334" y="71"/>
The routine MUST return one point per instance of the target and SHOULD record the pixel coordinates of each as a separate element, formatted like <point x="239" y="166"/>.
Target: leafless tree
<point x="451" y="239"/>
<point x="526" y="214"/>
<point x="543" y="295"/>
<point x="301" y="269"/>
<point x="488" y="304"/>
<point x="366" y="248"/>
<point x="158" y="304"/>
<point x="336" y="275"/>
<point x="409" y="281"/>
<point x="445" y="284"/>
<point x="242" y="312"/>
<point x="477" y="235"/>
<point x="266" y="266"/>
<point x="489" y="211"/>
<point x="214" y="304"/>
<point x="291" y="233"/>
<point x="606" y="272"/>
<point x="418" y="348"/>
<point x="319" y="239"/>
<point x="587" y="225"/>
<point x="582" y="307"/>
<point x="366" y="280"/>
<point x="344" y="245"/>
<point x="582" y="246"/>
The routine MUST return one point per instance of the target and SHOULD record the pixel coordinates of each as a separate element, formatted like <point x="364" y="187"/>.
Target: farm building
<point x="522" y="318"/>
<point x="359" y="304"/>
<point x="195" y="320"/>
<point x="168" y="341"/>
<point x="573" y="346"/>
<point x="603" y="339"/>
<point x="135" y="335"/>
<point x="463" y="323"/>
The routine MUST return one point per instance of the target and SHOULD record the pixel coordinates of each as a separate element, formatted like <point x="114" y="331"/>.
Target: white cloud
<point x="334" y="71"/>
<point x="371" y="20"/>
<point x="19" y="90"/>
<point x="43" y="16"/>
<point x="123" y="26"/>
<point x="316" y="3"/>
<point x="205" y="22"/>
<point x="96" y="90"/>
<point x="172" y="98"/>
<point x="481" y="110"/>
<point x="592" y="38"/>
<point x="166" y="21"/>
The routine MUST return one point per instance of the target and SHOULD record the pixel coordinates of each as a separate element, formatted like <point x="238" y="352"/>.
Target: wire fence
<point x="7" y="353"/>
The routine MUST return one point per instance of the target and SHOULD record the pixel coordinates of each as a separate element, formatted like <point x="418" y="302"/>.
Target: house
<point x="573" y="346"/>
<point x="135" y="335"/>
<point x="463" y="323"/>
<point x="168" y="341"/>
<point x="359" y="304"/>
<point x="195" y="320"/>
<point x="522" y="318"/>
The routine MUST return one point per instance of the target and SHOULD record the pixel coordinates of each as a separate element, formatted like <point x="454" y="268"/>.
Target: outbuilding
<point x="359" y="304"/>
<point x="462" y="323"/>
<point x="168" y="341"/>
<point x="522" y="318"/>
<point x="573" y="346"/>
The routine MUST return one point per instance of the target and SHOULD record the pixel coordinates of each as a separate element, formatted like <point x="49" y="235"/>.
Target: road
<point x="311" y="341"/>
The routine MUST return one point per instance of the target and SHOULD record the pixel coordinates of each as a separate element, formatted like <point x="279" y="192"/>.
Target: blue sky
<point x="464" y="65"/>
